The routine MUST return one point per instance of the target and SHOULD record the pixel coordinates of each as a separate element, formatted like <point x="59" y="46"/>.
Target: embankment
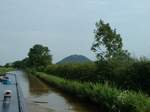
<point x="104" y="95"/>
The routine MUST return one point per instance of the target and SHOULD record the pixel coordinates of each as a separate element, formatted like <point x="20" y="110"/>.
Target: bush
<point x="82" y="72"/>
<point x="139" y="76"/>
<point x="126" y="74"/>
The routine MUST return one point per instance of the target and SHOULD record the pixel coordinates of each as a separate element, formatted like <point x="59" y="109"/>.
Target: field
<point x="4" y="70"/>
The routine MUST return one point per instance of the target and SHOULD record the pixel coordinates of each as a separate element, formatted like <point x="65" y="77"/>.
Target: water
<point x="42" y="98"/>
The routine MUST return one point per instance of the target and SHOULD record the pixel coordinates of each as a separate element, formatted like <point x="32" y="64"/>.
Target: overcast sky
<point x="66" y="26"/>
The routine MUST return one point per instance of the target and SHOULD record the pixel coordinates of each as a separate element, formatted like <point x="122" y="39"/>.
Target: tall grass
<point x="111" y="98"/>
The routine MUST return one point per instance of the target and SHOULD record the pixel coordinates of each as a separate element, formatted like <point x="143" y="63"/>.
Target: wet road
<point x="42" y="98"/>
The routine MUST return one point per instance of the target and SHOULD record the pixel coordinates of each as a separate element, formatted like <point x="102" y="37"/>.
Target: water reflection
<point x="36" y="87"/>
<point x="5" y="107"/>
<point x="41" y="96"/>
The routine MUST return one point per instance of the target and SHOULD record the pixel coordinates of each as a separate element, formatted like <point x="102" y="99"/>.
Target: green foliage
<point x="139" y="74"/>
<point x="7" y="65"/>
<point x="3" y="70"/>
<point x="21" y="64"/>
<point x="108" y="43"/>
<point x="82" y="72"/>
<point x="112" y="99"/>
<point x="125" y="73"/>
<point x="39" y="56"/>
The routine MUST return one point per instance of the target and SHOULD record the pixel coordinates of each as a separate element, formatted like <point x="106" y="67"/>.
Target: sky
<point x="66" y="26"/>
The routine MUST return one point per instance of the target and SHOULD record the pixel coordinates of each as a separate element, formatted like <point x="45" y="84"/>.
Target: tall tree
<point x="107" y="43"/>
<point x="39" y="56"/>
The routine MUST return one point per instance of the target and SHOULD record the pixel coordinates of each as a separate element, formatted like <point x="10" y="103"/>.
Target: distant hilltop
<point x="74" y="59"/>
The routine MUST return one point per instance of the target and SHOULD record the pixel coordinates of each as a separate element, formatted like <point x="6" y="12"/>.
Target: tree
<point x="21" y="64"/>
<point x="39" y="56"/>
<point x="107" y="44"/>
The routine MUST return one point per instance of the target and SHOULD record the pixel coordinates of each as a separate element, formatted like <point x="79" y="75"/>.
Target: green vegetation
<point x="125" y="74"/>
<point x="3" y="70"/>
<point x="107" y="44"/>
<point x="130" y="77"/>
<point x="38" y="57"/>
<point x="112" y="99"/>
<point x="82" y="72"/>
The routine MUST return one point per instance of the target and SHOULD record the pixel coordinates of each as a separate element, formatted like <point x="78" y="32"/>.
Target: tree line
<point x="114" y="64"/>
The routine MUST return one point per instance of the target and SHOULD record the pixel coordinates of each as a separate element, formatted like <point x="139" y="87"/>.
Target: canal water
<point x="42" y="98"/>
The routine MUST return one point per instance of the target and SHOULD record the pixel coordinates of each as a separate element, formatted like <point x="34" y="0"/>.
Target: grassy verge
<point x="111" y="98"/>
<point x="4" y="70"/>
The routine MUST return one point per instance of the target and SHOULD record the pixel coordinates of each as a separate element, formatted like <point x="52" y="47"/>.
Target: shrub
<point x="126" y="74"/>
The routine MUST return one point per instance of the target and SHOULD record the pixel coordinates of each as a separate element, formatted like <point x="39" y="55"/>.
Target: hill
<point x="75" y="59"/>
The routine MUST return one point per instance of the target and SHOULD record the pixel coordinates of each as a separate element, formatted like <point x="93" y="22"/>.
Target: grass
<point x="111" y="98"/>
<point x="3" y="70"/>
